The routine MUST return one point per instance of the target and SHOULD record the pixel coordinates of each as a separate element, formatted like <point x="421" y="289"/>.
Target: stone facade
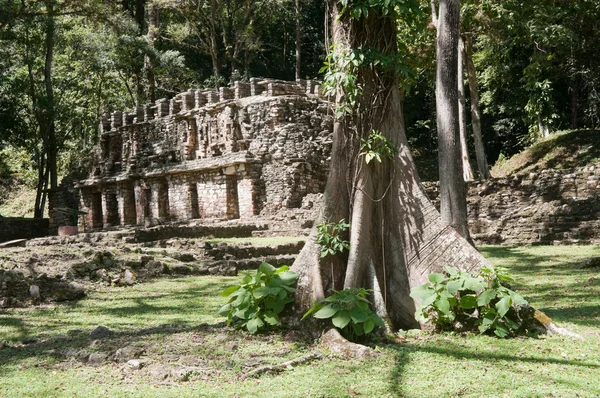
<point x="12" y="228"/>
<point x="554" y="206"/>
<point x="257" y="147"/>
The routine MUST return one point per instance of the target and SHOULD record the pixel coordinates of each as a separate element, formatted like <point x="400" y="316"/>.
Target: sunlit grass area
<point x="174" y="323"/>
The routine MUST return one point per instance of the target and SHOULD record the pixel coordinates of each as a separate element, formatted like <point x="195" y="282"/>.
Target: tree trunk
<point x="298" y="42"/>
<point x="462" y="116"/>
<point x="453" y="201"/>
<point x="543" y="127"/>
<point x="396" y="237"/>
<point x="214" y="51"/>
<point x="49" y="122"/>
<point x="153" y="13"/>
<point x="482" y="164"/>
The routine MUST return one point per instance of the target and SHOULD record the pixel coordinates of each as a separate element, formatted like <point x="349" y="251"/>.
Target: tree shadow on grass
<point x="51" y="350"/>
<point x="403" y="353"/>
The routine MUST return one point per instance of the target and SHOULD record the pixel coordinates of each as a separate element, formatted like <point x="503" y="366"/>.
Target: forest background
<point x="64" y="63"/>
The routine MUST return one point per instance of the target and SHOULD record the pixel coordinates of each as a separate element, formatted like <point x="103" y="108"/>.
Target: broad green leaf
<point x="451" y="270"/>
<point x="501" y="330"/>
<point x="254" y="324"/>
<point x="358" y="315"/>
<point x="474" y="284"/>
<point x="288" y="277"/>
<point x="436" y="278"/>
<point x="429" y="300"/>
<point x="266" y="268"/>
<point x="274" y="304"/>
<point x="271" y="319"/>
<point x="443" y="305"/>
<point x="517" y="299"/>
<point x="511" y="324"/>
<point x="468" y="301"/>
<point x="503" y="305"/>
<point x="369" y="325"/>
<point x="229" y="290"/>
<point x="486" y="297"/>
<point x="341" y="319"/>
<point x="326" y="312"/>
<point x="454" y="286"/>
<point x="224" y="310"/>
<point x="375" y="318"/>
<point x="421" y="292"/>
<point x="315" y="307"/>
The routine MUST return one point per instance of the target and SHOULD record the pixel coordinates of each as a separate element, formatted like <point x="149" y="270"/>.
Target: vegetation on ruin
<point x="175" y="322"/>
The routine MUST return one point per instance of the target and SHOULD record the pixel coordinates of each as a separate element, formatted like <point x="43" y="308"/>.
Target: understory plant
<point x="457" y="300"/>
<point x="258" y="300"/>
<point x="329" y="237"/>
<point x="349" y="312"/>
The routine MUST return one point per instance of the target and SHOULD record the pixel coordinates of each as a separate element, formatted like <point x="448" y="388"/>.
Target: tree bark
<point x="462" y="116"/>
<point x="453" y="201"/>
<point x="482" y="164"/>
<point x="298" y="42"/>
<point x="153" y="13"/>
<point x="397" y="236"/>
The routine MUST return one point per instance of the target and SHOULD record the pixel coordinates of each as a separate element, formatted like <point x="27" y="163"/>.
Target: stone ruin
<point x="257" y="148"/>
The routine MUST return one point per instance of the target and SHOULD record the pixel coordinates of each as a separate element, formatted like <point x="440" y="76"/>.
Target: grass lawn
<point x="174" y="322"/>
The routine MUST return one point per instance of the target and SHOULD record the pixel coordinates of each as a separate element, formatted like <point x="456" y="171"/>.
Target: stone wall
<point x="256" y="148"/>
<point x="12" y="228"/>
<point x="553" y="206"/>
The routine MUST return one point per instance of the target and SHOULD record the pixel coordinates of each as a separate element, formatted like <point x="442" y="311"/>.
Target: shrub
<point x="260" y="298"/>
<point x="329" y="237"/>
<point x="349" y="311"/>
<point x="459" y="300"/>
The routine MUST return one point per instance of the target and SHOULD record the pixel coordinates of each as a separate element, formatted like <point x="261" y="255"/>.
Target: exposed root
<point x="283" y="366"/>
<point x="335" y="342"/>
<point x="552" y="328"/>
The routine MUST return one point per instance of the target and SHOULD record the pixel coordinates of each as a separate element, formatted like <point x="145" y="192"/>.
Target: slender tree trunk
<point x="462" y="116"/>
<point x="298" y="42"/>
<point x="434" y="13"/>
<point x="543" y="127"/>
<point x="453" y="201"/>
<point x="214" y="50"/>
<point x="396" y="237"/>
<point x="153" y="13"/>
<point x="482" y="164"/>
<point x="575" y="90"/>
<point x="50" y="124"/>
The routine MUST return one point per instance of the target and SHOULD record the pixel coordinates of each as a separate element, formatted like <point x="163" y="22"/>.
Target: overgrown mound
<point x="567" y="150"/>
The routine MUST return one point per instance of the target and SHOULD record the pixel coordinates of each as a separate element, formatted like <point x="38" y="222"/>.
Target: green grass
<point x="174" y="321"/>
<point x="562" y="150"/>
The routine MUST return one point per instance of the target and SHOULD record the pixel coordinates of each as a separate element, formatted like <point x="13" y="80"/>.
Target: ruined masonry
<point x="256" y="148"/>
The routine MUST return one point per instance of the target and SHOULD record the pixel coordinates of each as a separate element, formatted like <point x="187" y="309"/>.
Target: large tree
<point x="396" y="235"/>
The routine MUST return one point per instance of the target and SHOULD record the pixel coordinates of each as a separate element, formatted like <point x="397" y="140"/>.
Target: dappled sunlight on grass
<point x="174" y="320"/>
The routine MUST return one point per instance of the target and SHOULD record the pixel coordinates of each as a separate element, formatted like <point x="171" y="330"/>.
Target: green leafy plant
<point x="330" y="239"/>
<point x="259" y="299"/>
<point x="349" y="311"/>
<point x="459" y="300"/>
<point x="376" y="147"/>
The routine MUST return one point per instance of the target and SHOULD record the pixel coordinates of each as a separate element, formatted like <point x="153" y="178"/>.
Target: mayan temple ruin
<point x="255" y="148"/>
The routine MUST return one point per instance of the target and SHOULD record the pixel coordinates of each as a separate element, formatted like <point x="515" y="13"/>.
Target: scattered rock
<point x="135" y="364"/>
<point x="180" y="269"/>
<point x="129" y="277"/>
<point x="184" y="257"/>
<point x="128" y="353"/>
<point x="154" y="268"/>
<point x="100" y="332"/>
<point x="34" y="292"/>
<point x="182" y="374"/>
<point x="97" y="357"/>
